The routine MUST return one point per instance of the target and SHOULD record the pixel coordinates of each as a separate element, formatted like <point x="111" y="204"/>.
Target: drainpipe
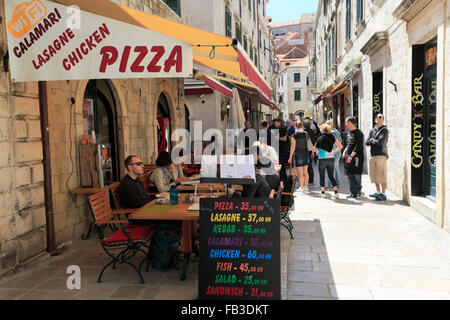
<point x="48" y="190"/>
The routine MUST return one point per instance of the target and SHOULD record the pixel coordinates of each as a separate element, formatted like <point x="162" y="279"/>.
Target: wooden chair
<point x="126" y="242"/>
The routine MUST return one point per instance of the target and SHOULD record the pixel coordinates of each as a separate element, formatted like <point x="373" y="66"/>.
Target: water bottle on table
<point x="173" y="195"/>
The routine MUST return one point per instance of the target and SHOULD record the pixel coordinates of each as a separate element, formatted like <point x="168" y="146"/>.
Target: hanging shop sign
<point x="48" y="41"/>
<point x="377" y="94"/>
<point x="417" y="123"/>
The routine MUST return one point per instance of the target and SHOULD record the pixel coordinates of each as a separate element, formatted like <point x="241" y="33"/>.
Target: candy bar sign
<point x="42" y="47"/>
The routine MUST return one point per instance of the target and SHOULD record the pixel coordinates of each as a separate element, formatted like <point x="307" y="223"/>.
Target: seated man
<point x="166" y="174"/>
<point x="131" y="190"/>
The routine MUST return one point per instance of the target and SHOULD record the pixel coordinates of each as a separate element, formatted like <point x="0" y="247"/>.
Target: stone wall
<point x="22" y="218"/>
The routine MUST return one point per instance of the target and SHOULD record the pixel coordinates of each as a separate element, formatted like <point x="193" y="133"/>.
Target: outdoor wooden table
<point x="153" y="211"/>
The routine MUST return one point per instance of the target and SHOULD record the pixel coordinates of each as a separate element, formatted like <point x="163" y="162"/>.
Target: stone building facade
<point x="135" y="105"/>
<point x="291" y="49"/>
<point x="246" y="21"/>
<point x="392" y="57"/>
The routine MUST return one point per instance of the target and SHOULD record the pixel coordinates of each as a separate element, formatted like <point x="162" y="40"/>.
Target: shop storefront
<point x="423" y="125"/>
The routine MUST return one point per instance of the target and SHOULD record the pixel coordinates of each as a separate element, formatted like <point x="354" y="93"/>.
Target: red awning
<point x="252" y="74"/>
<point x="318" y="100"/>
<point x="216" y="85"/>
<point x="267" y="102"/>
<point x="275" y="108"/>
<point x="197" y="91"/>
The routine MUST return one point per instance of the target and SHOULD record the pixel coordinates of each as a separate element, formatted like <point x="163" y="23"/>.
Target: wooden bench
<point x="126" y="240"/>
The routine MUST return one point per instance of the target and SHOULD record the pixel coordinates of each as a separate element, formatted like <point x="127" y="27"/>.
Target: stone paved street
<point x="363" y="249"/>
<point x="46" y="278"/>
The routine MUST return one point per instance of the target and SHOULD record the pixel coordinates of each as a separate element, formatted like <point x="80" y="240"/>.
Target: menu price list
<point x="239" y="249"/>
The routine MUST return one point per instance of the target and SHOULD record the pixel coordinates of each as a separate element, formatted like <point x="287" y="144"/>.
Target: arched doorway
<point x="164" y="130"/>
<point x="100" y="124"/>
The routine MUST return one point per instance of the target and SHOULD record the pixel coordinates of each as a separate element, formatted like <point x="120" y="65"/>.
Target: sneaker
<point x="374" y="195"/>
<point x="305" y="190"/>
<point x="380" y="197"/>
<point x="336" y="195"/>
<point x="350" y="196"/>
<point x="323" y="195"/>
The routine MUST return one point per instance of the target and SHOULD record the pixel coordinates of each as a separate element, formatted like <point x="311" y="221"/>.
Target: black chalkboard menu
<point x="239" y="249"/>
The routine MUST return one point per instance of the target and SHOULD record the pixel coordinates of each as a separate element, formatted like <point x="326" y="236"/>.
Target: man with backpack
<point x="378" y="138"/>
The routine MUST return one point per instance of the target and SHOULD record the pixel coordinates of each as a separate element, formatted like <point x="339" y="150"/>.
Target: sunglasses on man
<point x="137" y="163"/>
<point x="380" y="117"/>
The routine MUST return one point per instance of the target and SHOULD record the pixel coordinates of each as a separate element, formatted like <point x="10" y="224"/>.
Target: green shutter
<point x="227" y="22"/>
<point x="238" y="33"/>
<point x="174" y="5"/>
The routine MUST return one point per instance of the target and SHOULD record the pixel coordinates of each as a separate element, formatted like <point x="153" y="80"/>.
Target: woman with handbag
<point x="302" y="147"/>
<point x="324" y="146"/>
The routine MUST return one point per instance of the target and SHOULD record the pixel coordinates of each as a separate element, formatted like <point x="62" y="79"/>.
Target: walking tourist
<point x="302" y="148"/>
<point x="307" y="123"/>
<point x="378" y="138"/>
<point x="338" y="155"/>
<point x="324" y="148"/>
<point x="354" y="157"/>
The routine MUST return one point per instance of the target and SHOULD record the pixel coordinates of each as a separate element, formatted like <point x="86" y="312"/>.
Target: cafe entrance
<point x="423" y="153"/>
<point x="100" y="124"/>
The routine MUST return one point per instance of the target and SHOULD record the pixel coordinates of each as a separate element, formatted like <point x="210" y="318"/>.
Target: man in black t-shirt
<point x="131" y="190"/>
<point x="353" y="156"/>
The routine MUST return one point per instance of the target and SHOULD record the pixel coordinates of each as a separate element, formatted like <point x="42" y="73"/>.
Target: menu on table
<point x="239" y="249"/>
<point x="228" y="166"/>
<point x="209" y="166"/>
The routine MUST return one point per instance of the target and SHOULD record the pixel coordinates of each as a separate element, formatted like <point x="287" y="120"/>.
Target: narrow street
<point x="364" y="249"/>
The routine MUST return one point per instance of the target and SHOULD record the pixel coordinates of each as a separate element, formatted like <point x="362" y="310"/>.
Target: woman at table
<point x="167" y="173"/>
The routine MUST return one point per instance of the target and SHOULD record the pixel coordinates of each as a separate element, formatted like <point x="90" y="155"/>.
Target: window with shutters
<point x="251" y="52"/>
<point x="227" y="22"/>
<point x="297" y="95"/>
<point x="296" y="77"/>
<point x="175" y="5"/>
<point x="359" y="11"/>
<point x="256" y="57"/>
<point x="245" y="44"/>
<point x="348" y="19"/>
<point x="238" y="33"/>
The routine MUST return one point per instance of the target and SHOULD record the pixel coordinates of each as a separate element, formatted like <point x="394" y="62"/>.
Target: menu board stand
<point x="239" y="249"/>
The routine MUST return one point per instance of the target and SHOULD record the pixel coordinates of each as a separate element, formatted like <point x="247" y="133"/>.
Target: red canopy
<point x="213" y="84"/>
<point x="252" y="74"/>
